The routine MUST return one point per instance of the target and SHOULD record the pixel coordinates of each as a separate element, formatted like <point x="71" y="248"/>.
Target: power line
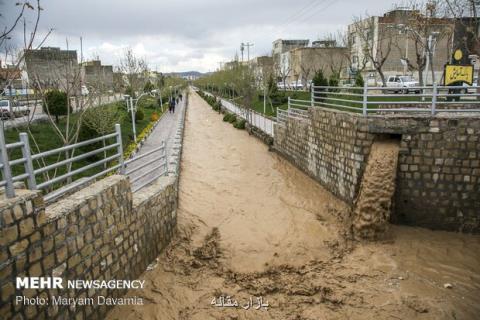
<point x="299" y="12"/>
<point x="299" y="17"/>
<point x="328" y="5"/>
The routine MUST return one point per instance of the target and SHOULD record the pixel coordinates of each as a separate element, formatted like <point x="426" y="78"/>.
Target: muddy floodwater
<point x="252" y="226"/>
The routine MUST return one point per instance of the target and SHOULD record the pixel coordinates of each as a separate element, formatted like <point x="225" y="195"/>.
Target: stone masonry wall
<point x="101" y="232"/>
<point x="331" y="147"/>
<point x="438" y="174"/>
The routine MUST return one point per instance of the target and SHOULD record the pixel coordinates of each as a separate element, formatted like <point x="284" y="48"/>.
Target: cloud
<point x="188" y="34"/>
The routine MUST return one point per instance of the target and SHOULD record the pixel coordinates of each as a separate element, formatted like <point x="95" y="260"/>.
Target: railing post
<point x="165" y="154"/>
<point x="7" y="172"/>
<point x="434" y="99"/>
<point x="312" y="95"/>
<point x="118" y="138"/>
<point x="32" y="183"/>
<point x="166" y="158"/>
<point x="365" y="98"/>
<point x="289" y="102"/>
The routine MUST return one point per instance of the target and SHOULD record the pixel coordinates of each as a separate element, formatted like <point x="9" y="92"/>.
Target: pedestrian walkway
<point x="164" y="131"/>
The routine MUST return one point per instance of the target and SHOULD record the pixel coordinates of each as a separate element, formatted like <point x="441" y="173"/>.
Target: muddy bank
<point x="251" y="225"/>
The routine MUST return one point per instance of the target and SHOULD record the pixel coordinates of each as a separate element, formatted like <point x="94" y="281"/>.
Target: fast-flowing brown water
<point x="374" y="203"/>
<point x="251" y="225"/>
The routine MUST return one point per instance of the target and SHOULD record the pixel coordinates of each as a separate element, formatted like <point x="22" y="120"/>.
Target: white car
<point x="296" y="85"/>
<point x="84" y="91"/>
<point x="402" y="84"/>
<point x="8" y="111"/>
<point x="471" y="89"/>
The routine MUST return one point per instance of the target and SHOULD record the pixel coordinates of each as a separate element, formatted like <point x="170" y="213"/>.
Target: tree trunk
<point x="382" y="77"/>
<point x="420" y="77"/>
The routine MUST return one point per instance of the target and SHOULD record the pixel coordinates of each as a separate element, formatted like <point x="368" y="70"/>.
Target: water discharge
<point x="374" y="203"/>
<point x="251" y="225"/>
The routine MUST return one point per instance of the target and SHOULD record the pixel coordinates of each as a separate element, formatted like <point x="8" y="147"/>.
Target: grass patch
<point x="47" y="139"/>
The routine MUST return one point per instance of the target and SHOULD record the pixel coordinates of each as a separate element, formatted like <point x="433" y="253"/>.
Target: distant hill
<point x="186" y="74"/>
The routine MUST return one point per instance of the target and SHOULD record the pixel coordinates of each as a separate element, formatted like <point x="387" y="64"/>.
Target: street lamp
<point x="431" y="46"/>
<point x="132" y="109"/>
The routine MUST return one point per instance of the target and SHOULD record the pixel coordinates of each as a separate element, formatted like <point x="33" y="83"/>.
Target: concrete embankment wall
<point x="438" y="175"/>
<point x="101" y="232"/>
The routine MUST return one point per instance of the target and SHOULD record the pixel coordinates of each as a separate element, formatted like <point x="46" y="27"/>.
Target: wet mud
<point x="252" y="226"/>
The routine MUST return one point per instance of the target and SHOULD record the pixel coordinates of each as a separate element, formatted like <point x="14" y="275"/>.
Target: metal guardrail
<point x="52" y="186"/>
<point x="367" y="100"/>
<point x="158" y="163"/>
<point x="253" y="118"/>
<point x="297" y="109"/>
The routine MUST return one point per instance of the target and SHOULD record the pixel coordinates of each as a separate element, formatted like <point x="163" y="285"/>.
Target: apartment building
<point x="51" y="67"/>
<point x="97" y="76"/>
<point x="400" y="37"/>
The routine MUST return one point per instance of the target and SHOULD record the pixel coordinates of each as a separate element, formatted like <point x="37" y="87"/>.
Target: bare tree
<point x="376" y="50"/>
<point x="426" y="27"/>
<point x="135" y="69"/>
<point x="466" y="13"/>
<point x="283" y="69"/>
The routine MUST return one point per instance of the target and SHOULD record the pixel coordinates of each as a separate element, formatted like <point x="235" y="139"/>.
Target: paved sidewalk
<point x="164" y="131"/>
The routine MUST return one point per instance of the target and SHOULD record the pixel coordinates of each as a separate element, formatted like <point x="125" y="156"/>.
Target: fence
<point x="158" y="160"/>
<point x="110" y="143"/>
<point x="254" y="118"/>
<point x="371" y="100"/>
<point x="300" y="113"/>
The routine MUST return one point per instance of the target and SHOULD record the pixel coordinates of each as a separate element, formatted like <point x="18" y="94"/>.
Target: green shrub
<point x="226" y="117"/>
<point x="56" y="102"/>
<point x="233" y="118"/>
<point x="320" y="80"/>
<point x="239" y="124"/>
<point x="139" y="115"/>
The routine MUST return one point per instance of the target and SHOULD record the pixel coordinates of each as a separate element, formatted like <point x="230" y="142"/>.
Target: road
<point x="37" y="114"/>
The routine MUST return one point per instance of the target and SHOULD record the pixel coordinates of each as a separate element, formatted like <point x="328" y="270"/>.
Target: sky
<point x="185" y="35"/>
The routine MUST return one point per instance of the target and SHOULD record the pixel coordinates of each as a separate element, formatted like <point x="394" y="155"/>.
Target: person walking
<point x="173" y="105"/>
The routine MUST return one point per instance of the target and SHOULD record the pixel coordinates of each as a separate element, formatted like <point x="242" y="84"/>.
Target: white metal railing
<point x="53" y="186"/>
<point x="253" y="118"/>
<point x="156" y="165"/>
<point x="371" y="100"/>
<point x="297" y="109"/>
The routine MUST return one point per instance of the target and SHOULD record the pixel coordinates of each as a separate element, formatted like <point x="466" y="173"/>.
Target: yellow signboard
<point x="458" y="74"/>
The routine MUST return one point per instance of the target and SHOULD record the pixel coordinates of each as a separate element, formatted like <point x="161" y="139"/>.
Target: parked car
<point x="472" y="88"/>
<point x="296" y="85"/>
<point x="402" y="84"/>
<point x="84" y="91"/>
<point x="7" y="110"/>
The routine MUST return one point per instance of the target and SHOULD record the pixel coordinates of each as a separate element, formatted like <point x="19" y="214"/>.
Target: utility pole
<point x="242" y="48"/>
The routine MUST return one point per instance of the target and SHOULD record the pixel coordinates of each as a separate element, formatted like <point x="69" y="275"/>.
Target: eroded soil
<point x="251" y="225"/>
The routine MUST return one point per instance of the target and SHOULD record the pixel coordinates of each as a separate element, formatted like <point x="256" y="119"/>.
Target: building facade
<point x="280" y="56"/>
<point x="262" y="68"/>
<point x="51" y="67"/>
<point x="97" y="76"/>
<point x="401" y="40"/>
<point x="305" y="62"/>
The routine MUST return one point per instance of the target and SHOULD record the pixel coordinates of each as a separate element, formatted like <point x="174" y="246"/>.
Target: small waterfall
<point x="374" y="202"/>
